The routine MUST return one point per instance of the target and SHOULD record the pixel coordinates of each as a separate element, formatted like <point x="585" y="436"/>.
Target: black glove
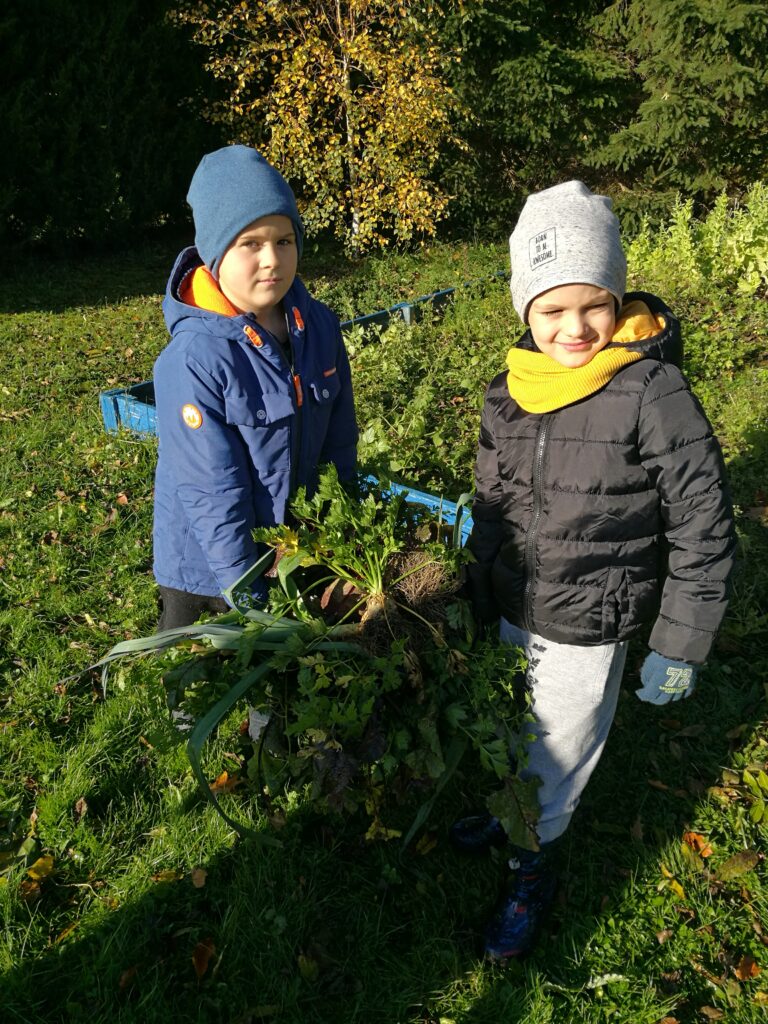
<point x="478" y="591"/>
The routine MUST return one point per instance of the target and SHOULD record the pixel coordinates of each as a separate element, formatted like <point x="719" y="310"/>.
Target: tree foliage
<point x="699" y="120"/>
<point x="540" y="88"/>
<point x="97" y="141"/>
<point x="347" y="98"/>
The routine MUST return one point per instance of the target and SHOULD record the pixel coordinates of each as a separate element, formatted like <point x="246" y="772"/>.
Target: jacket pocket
<point x="615" y="612"/>
<point x="324" y="390"/>
<point x="258" y="410"/>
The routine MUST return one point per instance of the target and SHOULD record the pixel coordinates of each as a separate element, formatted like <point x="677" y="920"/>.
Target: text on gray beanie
<point x="231" y="188"/>
<point x="565" y="235"/>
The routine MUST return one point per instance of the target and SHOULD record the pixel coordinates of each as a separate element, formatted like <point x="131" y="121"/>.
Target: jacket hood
<point x="175" y="310"/>
<point x="666" y="345"/>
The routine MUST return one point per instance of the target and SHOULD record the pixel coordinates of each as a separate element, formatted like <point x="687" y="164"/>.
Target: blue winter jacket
<point x="240" y="429"/>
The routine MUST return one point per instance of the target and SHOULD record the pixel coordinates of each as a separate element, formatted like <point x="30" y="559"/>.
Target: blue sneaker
<point x="477" y="834"/>
<point x="518" y="917"/>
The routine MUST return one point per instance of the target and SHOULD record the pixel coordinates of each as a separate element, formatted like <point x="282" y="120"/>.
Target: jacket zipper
<point x="540" y="451"/>
<point x="296" y="430"/>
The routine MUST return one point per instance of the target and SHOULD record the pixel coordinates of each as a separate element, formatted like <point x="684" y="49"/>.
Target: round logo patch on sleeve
<point x="192" y="416"/>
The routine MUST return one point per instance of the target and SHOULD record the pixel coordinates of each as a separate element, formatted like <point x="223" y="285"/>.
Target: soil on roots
<point x="412" y="607"/>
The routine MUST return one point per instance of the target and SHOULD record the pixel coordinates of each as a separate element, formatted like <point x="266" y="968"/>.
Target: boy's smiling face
<point x="259" y="267"/>
<point x="572" y="323"/>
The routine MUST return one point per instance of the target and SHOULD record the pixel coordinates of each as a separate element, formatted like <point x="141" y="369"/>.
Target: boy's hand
<point x="665" y="680"/>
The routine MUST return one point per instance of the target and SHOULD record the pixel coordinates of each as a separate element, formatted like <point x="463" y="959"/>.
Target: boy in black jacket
<point x="601" y="505"/>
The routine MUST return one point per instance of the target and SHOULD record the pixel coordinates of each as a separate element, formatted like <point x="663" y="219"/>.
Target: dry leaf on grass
<point x="201" y="956"/>
<point x="198" y="877"/>
<point x="746" y="968"/>
<point x="42" y="867"/>
<point x="698" y="842"/>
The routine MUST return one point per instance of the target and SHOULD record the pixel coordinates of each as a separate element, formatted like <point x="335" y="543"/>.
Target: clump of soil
<point x="412" y="607"/>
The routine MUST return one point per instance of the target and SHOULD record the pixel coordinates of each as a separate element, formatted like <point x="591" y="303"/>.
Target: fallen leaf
<point x="761" y="998"/>
<point x="711" y="1013"/>
<point x="29" y="890"/>
<point x="278" y="820"/>
<point x="201" y="956"/>
<point x="698" y="842"/>
<point x="309" y="969"/>
<point x="426" y="844"/>
<point x="67" y="931"/>
<point x="225" y="783"/>
<point x="122" y="499"/>
<point x="198" y="877"/>
<point x="378" y="831"/>
<point x="81" y="807"/>
<point x="636" y="832"/>
<point x="676" y="888"/>
<point x="658" y="784"/>
<point x="169" y="875"/>
<point x="662" y="936"/>
<point x="723" y="796"/>
<point x="747" y="968"/>
<point x="42" y="867"/>
<point x="126" y="978"/>
<point x="669" y="1020"/>
<point x="737" y="865"/>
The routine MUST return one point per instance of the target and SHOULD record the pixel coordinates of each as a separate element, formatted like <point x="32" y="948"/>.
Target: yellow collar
<point x="539" y="384"/>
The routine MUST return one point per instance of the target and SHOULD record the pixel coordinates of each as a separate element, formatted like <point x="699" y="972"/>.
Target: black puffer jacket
<point x="608" y="513"/>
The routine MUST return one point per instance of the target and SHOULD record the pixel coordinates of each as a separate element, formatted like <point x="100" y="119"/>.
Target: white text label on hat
<point x="542" y="247"/>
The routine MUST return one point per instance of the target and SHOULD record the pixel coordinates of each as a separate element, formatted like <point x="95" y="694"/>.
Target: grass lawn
<point x="125" y="898"/>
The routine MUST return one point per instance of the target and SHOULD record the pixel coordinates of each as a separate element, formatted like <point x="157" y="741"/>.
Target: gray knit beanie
<point x="565" y="235"/>
<point x="231" y="188"/>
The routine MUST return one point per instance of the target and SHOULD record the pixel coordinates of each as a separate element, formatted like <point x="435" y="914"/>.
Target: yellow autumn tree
<point x="347" y="99"/>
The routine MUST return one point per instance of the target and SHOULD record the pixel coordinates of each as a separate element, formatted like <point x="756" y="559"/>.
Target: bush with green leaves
<point x="698" y="119"/>
<point x="713" y="271"/>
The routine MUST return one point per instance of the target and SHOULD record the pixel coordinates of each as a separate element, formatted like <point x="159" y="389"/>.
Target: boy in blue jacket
<point x="601" y="509"/>
<point x="253" y="390"/>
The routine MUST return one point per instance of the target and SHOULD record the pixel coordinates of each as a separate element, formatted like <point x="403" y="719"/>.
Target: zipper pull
<point x="299" y="392"/>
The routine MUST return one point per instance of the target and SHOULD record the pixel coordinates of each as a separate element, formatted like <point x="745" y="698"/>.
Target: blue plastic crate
<point x="441" y="507"/>
<point x="130" y="409"/>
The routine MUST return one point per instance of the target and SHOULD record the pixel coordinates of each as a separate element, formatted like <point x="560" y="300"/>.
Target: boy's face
<point x="572" y="323"/>
<point x="259" y="267"/>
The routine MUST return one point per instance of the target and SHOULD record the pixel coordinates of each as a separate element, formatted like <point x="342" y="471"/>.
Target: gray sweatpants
<point x="574" y="690"/>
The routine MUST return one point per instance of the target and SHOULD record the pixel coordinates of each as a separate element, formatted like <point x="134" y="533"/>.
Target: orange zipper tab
<point x="299" y="392"/>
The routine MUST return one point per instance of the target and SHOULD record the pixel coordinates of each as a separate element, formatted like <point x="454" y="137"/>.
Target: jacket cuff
<point x="680" y="642"/>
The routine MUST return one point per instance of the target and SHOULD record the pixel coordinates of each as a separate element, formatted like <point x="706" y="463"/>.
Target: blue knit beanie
<point x="231" y="188"/>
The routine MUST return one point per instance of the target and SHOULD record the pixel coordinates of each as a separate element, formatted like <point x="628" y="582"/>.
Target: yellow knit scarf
<point x="539" y="384"/>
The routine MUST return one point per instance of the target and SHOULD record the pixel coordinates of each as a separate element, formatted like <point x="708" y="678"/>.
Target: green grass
<point x="331" y="928"/>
